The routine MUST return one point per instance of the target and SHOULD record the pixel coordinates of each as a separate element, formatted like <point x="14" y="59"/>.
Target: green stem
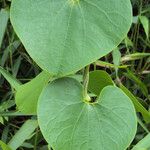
<point x="85" y="83"/>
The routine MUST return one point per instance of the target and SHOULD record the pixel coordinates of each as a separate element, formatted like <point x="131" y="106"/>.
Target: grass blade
<point x="144" y="144"/>
<point x="138" y="106"/>
<point x="23" y="134"/>
<point x="4" y="15"/>
<point x="12" y="81"/>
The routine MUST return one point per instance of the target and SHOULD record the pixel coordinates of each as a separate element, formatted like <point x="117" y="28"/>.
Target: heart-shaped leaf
<point x="98" y="79"/>
<point x="63" y="36"/>
<point x="68" y="122"/>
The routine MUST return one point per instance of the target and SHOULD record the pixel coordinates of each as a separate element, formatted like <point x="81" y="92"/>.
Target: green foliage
<point x="139" y="83"/>
<point x="27" y="95"/>
<point x="109" y="65"/>
<point x="12" y="80"/>
<point x="134" y="56"/>
<point x="4" y="146"/>
<point x="98" y="80"/>
<point x="4" y="15"/>
<point x="138" y="106"/>
<point x="64" y="37"/>
<point x="116" y="59"/>
<point x="69" y="122"/>
<point x="24" y="133"/>
<point x="144" y="144"/>
<point x="59" y="60"/>
<point x="145" y="22"/>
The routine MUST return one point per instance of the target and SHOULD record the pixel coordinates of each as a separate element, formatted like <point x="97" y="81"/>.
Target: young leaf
<point x="71" y="33"/>
<point x="1" y="120"/>
<point x="4" y="15"/>
<point x="116" y="59"/>
<point x="144" y="144"/>
<point x="134" y="56"/>
<point x="128" y="42"/>
<point x="109" y="65"/>
<point x="145" y="23"/>
<point x="138" y="106"/>
<point x="23" y="134"/>
<point x="27" y="95"/>
<point x="135" y="19"/>
<point x="98" y="80"/>
<point x="69" y="122"/>
<point x="12" y="81"/>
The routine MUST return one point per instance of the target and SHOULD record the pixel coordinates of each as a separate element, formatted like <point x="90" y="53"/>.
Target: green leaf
<point x="134" y="56"/>
<point x="138" y="106"/>
<point x="144" y="144"/>
<point x="10" y="49"/>
<point x="109" y="65"/>
<point x="23" y="134"/>
<point x="145" y="23"/>
<point x="6" y="105"/>
<point x="27" y="95"/>
<point x="135" y="79"/>
<point x="98" y="80"/>
<point x="4" y="15"/>
<point x="4" y="146"/>
<point x="128" y="42"/>
<point x="1" y="120"/>
<point x="12" y="80"/>
<point x="69" y="122"/>
<point x="66" y="35"/>
<point x="135" y="19"/>
<point x="116" y="58"/>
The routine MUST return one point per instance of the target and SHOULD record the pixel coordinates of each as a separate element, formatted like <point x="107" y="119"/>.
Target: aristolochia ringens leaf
<point x="98" y="79"/>
<point x="68" y="122"/>
<point x="63" y="36"/>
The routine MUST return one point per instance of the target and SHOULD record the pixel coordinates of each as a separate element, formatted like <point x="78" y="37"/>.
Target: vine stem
<point x="85" y="83"/>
